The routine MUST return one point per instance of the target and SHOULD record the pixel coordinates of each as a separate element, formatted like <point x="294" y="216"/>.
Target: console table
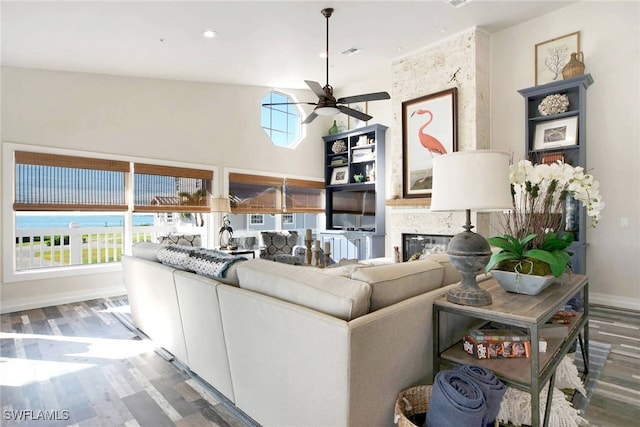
<point x="528" y="312"/>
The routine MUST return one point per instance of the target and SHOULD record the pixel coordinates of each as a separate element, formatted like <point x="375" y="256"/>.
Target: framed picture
<point x="429" y="129"/>
<point x="553" y="55"/>
<point x="352" y="122"/>
<point x="340" y="175"/>
<point x="556" y="133"/>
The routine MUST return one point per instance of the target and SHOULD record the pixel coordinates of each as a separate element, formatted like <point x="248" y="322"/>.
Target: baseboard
<point x="39" y="301"/>
<point x="614" y="301"/>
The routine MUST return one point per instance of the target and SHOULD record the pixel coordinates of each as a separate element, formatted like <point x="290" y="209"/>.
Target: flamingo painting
<point x="433" y="118"/>
<point x="429" y="142"/>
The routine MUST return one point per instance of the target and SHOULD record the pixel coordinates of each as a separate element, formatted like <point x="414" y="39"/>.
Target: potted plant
<point x="534" y="243"/>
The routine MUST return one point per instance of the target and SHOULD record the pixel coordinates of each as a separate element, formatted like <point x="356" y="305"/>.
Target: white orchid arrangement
<point x="542" y="189"/>
<point x="534" y="227"/>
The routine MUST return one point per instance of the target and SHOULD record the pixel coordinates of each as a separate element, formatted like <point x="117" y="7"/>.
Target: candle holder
<point x="316" y="253"/>
<point x="307" y="243"/>
<point x="326" y="259"/>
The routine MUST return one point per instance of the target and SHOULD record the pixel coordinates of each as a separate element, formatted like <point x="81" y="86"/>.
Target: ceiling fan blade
<point x="376" y="96"/>
<point x="288" y="103"/>
<point x="316" y="88"/>
<point x="354" y="113"/>
<point x="310" y="118"/>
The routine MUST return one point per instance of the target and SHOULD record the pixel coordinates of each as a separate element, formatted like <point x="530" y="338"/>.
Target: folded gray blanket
<point x="456" y="400"/>
<point x="491" y="386"/>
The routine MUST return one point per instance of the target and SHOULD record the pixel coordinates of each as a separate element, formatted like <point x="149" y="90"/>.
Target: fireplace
<point x="416" y="243"/>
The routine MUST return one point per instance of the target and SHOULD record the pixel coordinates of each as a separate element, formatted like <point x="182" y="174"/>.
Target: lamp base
<point x="469" y="296"/>
<point x="469" y="253"/>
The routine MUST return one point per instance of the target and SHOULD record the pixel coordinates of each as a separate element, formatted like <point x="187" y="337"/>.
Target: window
<point x="288" y="219"/>
<point x="256" y="219"/>
<point x="255" y="193"/>
<point x="72" y="210"/>
<point x="52" y="182"/>
<point x="282" y="123"/>
<point x="283" y="203"/>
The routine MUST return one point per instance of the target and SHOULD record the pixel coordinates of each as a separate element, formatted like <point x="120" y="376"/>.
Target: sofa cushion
<point x="451" y="274"/>
<point x="146" y="250"/>
<point x="181" y="239"/>
<point x="214" y="264"/>
<point x="306" y="286"/>
<point x="392" y="283"/>
<point x="175" y="255"/>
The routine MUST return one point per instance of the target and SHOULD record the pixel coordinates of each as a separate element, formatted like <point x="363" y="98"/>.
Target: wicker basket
<point x="412" y="401"/>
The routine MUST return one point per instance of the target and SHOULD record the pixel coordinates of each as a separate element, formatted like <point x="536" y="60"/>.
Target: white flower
<point x="540" y="189"/>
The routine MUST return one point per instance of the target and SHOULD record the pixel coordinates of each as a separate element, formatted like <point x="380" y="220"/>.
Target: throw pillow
<point x="175" y="255"/>
<point x="181" y="239"/>
<point x="279" y="242"/>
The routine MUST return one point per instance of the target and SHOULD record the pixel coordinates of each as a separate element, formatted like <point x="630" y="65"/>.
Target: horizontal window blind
<point x="255" y="193"/>
<point x="52" y="182"/>
<point x="158" y="188"/>
<point x="304" y="196"/>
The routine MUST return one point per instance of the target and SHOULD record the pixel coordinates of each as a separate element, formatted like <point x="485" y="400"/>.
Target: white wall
<point x="610" y="40"/>
<point x="198" y="123"/>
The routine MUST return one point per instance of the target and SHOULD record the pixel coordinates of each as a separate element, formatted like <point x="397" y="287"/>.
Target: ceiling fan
<point x="327" y="104"/>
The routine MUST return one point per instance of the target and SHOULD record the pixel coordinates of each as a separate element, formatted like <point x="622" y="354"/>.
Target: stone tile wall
<point x="462" y="61"/>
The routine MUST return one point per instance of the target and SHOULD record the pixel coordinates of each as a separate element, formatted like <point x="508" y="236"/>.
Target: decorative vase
<point x="334" y="129"/>
<point x="575" y="66"/>
<point x="519" y="283"/>
<point x="571" y="210"/>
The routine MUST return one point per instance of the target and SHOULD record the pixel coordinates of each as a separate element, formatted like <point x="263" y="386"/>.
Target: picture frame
<point x="429" y="126"/>
<point x="556" y="133"/>
<point x="340" y="175"/>
<point x="352" y="122"/>
<point x="552" y="55"/>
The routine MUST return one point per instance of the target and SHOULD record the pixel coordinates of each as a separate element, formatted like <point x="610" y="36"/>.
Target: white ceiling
<point x="265" y="43"/>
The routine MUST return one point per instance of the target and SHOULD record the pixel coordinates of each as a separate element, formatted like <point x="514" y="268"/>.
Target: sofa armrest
<point x="391" y="350"/>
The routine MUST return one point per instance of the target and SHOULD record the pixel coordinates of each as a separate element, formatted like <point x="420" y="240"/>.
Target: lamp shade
<point x="220" y="204"/>
<point x="471" y="180"/>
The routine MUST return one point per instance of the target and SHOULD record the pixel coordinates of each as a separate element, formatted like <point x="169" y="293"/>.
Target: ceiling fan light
<point x="326" y="111"/>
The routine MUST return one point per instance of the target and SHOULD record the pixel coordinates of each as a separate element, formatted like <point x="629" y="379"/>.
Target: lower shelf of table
<point x="514" y="370"/>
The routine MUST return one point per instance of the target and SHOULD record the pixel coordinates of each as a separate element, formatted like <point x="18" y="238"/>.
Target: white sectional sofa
<point x="296" y="345"/>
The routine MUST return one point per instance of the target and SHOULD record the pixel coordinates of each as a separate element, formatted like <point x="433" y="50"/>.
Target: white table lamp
<point x="466" y="181"/>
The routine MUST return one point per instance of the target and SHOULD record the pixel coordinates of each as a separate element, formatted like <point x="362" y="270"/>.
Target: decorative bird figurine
<point x="427" y="141"/>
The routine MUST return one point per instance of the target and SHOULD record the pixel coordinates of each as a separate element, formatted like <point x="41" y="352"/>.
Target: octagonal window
<point x="282" y="123"/>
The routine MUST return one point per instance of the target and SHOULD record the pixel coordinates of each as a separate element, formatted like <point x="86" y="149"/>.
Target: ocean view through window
<point x="71" y="211"/>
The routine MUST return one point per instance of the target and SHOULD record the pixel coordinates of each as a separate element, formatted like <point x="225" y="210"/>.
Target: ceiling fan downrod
<point x="327" y="14"/>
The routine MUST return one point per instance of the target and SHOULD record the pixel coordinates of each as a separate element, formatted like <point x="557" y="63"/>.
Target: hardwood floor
<point x="76" y="364"/>
<point x="616" y="400"/>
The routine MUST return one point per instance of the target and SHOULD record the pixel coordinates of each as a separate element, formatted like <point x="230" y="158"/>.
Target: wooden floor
<point x="75" y="364"/>
<point x="616" y="400"/>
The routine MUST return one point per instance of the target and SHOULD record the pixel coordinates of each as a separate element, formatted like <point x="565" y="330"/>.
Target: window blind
<point x="52" y="182"/>
<point x="158" y="188"/>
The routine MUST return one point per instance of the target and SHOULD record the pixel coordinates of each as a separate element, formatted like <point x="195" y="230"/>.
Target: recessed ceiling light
<point x="458" y="3"/>
<point x="441" y="30"/>
<point x="351" y="51"/>
<point x="209" y="34"/>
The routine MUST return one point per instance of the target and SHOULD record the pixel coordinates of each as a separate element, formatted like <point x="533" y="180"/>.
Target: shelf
<point x="556" y="149"/>
<point x="516" y="370"/>
<point x="354" y="202"/>
<point x="551" y="117"/>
